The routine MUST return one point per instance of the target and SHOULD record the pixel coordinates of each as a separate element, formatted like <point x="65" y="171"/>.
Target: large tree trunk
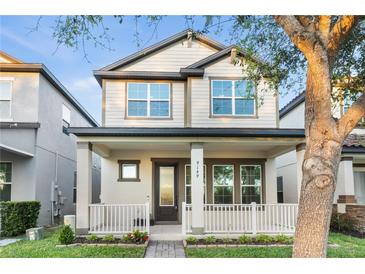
<point x="320" y="165"/>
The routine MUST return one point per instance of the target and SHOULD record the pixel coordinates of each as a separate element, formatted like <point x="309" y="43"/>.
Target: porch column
<point x="270" y="181"/>
<point x="345" y="189"/>
<point x="84" y="187"/>
<point x="197" y="188"/>
<point x="300" y="150"/>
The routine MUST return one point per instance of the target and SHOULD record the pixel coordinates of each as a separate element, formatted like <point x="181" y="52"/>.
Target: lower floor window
<point x="280" y="189"/>
<point x="223" y="181"/>
<point x="250" y="184"/>
<point x="5" y="181"/>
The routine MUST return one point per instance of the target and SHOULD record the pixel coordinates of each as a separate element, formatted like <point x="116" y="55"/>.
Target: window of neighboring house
<point x="151" y="100"/>
<point x="66" y="119"/>
<point x="223" y="180"/>
<point x="5" y="99"/>
<point x="129" y="170"/>
<point x="188" y="183"/>
<point x="75" y="188"/>
<point x="233" y="98"/>
<point x="5" y="181"/>
<point x="280" y="189"/>
<point x="251" y="184"/>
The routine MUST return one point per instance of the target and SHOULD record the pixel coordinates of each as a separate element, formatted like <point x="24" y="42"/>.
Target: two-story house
<point x="183" y="142"/>
<point x="350" y="189"/>
<point x="37" y="154"/>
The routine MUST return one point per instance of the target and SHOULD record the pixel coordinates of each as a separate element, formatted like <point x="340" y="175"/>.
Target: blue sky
<point x="70" y="66"/>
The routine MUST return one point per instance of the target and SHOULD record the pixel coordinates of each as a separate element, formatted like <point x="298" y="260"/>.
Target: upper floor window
<point x="66" y="119"/>
<point x="5" y="98"/>
<point x="233" y="98"/>
<point x="151" y="100"/>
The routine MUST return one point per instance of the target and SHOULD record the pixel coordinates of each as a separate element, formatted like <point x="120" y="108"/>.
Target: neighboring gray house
<point x="37" y="155"/>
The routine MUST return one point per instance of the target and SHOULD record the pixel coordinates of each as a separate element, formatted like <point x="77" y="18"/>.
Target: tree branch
<point x="324" y="26"/>
<point x="339" y="33"/>
<point x="352" y="117"/>
<point x="298" y="34"/>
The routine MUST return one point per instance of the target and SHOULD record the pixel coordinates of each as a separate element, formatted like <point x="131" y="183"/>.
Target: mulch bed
<point x="232" y="243"/>
<point x="84" y="240"/>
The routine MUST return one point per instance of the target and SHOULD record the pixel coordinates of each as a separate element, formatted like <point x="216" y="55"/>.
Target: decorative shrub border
<point x="17" y="217"/>
<point x="145" y="244"/>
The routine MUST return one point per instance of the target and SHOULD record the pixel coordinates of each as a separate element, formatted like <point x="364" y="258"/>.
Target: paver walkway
<point x="165" y="249"/>
<point x="5" y="242"/>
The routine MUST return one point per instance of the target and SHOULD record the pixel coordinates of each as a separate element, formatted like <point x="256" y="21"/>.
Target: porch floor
<point x="166" y="233"/>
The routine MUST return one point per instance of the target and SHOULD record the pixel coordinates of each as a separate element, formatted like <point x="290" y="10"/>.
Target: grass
<point x="46" y="249"/>
<point x="349" y="247"/>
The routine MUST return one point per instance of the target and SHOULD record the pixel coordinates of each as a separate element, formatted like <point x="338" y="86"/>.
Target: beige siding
<point x="200" y="90"/>
<point x="173" y="58"/>
<point x="115" y="107"/>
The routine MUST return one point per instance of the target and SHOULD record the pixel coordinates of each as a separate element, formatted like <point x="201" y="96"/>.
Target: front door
<point x="166" y="193"/>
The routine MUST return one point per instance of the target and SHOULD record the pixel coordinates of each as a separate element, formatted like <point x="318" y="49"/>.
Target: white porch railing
<point x="119" y="218"/>
<point x="244" y="218"/>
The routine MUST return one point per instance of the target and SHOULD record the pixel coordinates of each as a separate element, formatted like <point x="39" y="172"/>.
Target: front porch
<point x="205" y="184"/>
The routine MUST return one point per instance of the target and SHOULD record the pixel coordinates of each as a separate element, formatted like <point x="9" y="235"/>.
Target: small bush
<point x="66" y="236"/>
<point x="264" y="239"/>
<point x="244" y="239"/>
<point x="137" y="237"/>
<point x="108" y="238"/>
<point x="283" y="239"/>
<point x="191" y="240"/>
<point x="210" y="240"/>
<point x="227" y="240"/>
<point x="342" y="223"/>
<point x="92" y="238"/>
<point x="17" y="217"/>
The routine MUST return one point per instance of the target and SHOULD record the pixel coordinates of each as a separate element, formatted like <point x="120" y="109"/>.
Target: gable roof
<point x="9" y="57"/>
<point x="160" y="45"/>
<point x="211" y="58"/>
<point x="296" y="101"/>
<point x="43" y="70"/>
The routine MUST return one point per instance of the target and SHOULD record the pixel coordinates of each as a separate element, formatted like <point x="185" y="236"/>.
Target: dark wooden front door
<point x="166" y="192"/>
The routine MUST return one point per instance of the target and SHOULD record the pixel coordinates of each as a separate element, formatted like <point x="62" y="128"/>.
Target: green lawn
<point x="350" y="247"/>
<point x="46" y="249"/>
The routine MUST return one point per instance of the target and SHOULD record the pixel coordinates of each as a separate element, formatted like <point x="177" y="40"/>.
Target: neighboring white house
<point x="350" y="189"/>
<point x="37" y="154"/>
<point x="183" y="142"/>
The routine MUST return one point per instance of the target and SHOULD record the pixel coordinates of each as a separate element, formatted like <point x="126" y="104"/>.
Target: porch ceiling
<point x="257" y="147"/>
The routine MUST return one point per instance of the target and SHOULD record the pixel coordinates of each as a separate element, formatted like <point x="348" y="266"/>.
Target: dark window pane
<point x="5" y="172"/>
<point x="245" y="106"/>
<point x="279" y="183"/>
<point x="222" y="106"/>
<point x="280" y="197"/>
<point x="159" y="108"/>
<point x="251" y="194"/>
<point x="5" y="192"/>
<point x="137" y="108"/>
<point x="188" y="195"/>
<point x="223" y="194"/>
<point x="74" y="196"/>
<point x="188" y="175"/>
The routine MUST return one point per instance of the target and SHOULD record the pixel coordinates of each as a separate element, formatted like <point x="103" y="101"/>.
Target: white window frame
<point x="149" y="100"/>
<point x="241" y="185"/>
<point x="12" y="169"/>
<point x="222" y="186"/>
<point x="11" y="80"/>
<point x="233" y="98"/>
<point x="204" y="181"/>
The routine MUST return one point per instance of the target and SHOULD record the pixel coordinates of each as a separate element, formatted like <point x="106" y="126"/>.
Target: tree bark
<point x="320" y="165"/>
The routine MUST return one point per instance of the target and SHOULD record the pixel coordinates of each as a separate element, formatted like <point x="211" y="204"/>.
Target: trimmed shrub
<point x="264" y="239"/>
<point x="227" y="240"/>
<point x="109" y="238"/>
<point x="244" y="239"/>
<point x="342" y="223"/>
<point x="283" y="239"/>
<point x="92" y="238"/>
<point x="191" y="240"/>
<point x="66" y="236"/>
<point x="17" y="217"/>
<point x="210" y="240"/>
<point x="137" y="237"/>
